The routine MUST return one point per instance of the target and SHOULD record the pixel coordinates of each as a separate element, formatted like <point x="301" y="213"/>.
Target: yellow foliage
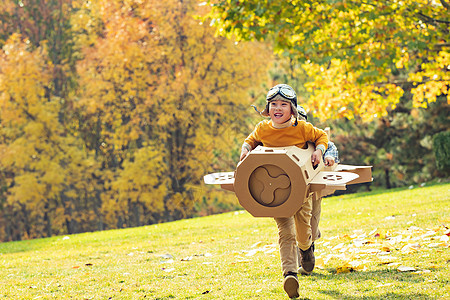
<point x="433" y="80"/>
<point x="157" y="76"/>
<point x="340" y="95"/>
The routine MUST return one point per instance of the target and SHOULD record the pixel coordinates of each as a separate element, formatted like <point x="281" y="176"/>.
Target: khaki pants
<point x="294" y="233"/>
<point x="315" y="218"/>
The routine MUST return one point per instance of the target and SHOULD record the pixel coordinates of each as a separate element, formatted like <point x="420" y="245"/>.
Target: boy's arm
<point x="331" y="155"/>
<point x="320" y="138"/>
<point x="246" y="148"/>
<point x="250" y="143"/>
<point x="316" y="157"/>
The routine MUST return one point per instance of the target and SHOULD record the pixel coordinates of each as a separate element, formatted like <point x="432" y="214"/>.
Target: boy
<point x="284" y="129"/>
<point x="330" y="157"/>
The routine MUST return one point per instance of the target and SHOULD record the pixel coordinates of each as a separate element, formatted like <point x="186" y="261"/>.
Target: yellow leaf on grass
<point x="320" y="264"/>
<point x="351" y="266"/>
<point x="344" y="269"/>
<point x="387" y="259"/>
<point x="436" y="245"/>
<point x="444" y="238"/>
<point x="386" y="247"/>
<point x="381" y="233"/>
<point x="410" y="248"/>
<point x="405" y="269"/>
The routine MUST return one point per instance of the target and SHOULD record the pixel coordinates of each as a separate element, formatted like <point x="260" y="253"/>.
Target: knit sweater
<point x="269" y="136"/>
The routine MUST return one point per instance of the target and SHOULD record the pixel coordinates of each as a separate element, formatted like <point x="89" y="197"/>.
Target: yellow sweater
<point x="269" y="136"/>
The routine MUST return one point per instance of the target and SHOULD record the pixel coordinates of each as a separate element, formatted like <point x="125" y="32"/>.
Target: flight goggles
<point x="283" y="90"/>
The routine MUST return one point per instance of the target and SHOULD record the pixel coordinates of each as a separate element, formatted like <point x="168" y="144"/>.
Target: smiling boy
<point x="281" y="130"/>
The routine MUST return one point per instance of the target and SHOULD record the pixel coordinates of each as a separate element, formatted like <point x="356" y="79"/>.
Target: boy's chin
<point x="280" y="120"/>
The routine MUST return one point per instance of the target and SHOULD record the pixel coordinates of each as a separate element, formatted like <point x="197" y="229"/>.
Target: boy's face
<point x="280" y="111"/>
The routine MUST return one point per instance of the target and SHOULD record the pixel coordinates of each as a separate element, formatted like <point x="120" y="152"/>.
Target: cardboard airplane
<point x="274" y="182"/>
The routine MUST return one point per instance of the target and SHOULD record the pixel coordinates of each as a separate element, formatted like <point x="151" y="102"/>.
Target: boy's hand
<point x="328" y="161"/>
<point x="244" y="153"/>
<point x="316" y="157"/>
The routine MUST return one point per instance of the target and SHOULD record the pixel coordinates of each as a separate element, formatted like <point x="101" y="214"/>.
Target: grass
<point x="366" y="239"/>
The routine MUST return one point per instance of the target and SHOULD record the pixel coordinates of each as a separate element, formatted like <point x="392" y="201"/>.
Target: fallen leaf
<point x="386" y="247"/>
<point x="339" y="246"/>
<point x="268" y="251"/>
<point x="428" y="234"/>
<point x="387" y="259"/>
<point x="256" y="244"/>
<point x="382" y="234"/>
<point x="188" y="258"/>
<point x="406" y="269"/>
<point x="385" y="284"/>
<point x="252" y="252"/>
<point x="410" y="248"/>
<point x="394" y="264"/>
<point x="351" y="266"/>
<point x="370" y="250"/>
<point x="168" y="269"/>
<point x="343" y="269"/>
<point x="422" y="272"/>
<point x="169" y="261"/>
<point x="320" y="263"/>
<point x="444" y="238"/>
<point x="436" y="245"/>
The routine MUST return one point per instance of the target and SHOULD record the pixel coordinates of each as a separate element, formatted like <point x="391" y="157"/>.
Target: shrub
<point x="441" y="148"/>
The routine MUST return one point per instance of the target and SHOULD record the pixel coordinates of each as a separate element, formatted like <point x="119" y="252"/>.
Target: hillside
<point x="390" y="245"/>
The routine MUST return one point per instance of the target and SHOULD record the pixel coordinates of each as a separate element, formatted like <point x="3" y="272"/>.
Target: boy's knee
<point x="285" y="236"/>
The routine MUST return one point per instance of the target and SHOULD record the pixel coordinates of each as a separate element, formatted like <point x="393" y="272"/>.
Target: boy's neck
<point x="280" y="126"/>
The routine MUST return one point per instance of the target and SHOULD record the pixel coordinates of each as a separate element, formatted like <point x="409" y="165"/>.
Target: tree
<point x="44" y="23"/>
<point x="361" y="56"/>
<point x="40" y="163"/>
<point x="157" y="88"/>
<point x="124" y="139"/>
<point x="441" y="148"/>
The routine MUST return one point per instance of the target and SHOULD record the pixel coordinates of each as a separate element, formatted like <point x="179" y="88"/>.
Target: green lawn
<point x="391" y="245"/>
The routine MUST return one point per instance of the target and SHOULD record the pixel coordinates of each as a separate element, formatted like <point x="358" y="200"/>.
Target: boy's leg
<point x="315" y="218"/>
<point x="315" y="231"/>
<point x="304" y="236"/>
<point x="288" y="254"/>
<point x="302" y="220"/>
<point x="288" y="244"/>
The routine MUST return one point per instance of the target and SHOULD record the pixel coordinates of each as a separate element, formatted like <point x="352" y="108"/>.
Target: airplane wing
<point x="219" y="178"/>
<point x="333" y="180"/>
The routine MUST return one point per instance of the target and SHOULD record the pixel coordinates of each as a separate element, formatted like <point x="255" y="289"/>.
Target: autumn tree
<point x="361" y="56"/>
<point x="41" y="164"/>
<point x="44" y="22"/>
<point x="160" y="100"/>
<point x="124" y="139"/>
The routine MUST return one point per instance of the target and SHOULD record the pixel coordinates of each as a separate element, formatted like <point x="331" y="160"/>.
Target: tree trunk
<point x="388" y="181"/>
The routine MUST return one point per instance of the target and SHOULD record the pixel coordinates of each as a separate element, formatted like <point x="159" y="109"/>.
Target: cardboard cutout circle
<point x="270" y="185"/>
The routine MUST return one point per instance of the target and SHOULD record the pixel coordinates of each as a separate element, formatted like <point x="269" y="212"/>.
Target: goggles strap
<point x="256" y="109"/>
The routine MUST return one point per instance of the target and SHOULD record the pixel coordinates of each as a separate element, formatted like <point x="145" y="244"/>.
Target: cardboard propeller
<point x="274" y="182"/>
